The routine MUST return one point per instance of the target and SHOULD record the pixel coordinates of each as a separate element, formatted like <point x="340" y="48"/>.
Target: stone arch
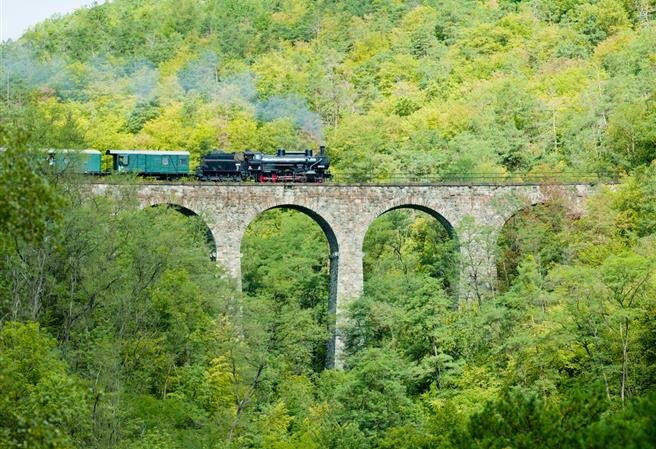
<point x="568" y="212"/>
<point x="448" y="226"/>
<point x="187" y="212"/>
<point x="572" y="198"/>
<point x="333" y="245"/>
<point x="430" y="211"/>
<point x="318" y="218"/>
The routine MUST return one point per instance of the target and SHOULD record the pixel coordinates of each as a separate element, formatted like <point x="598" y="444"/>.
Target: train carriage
<point x="88" y="162"/>
<point x="85" y="162"/>
<point x="158" y="164"/>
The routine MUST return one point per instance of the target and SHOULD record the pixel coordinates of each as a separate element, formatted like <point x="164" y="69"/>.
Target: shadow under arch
<point x="333" y="273"/>
<point x="550" y="215"/>
<point x="209" y="237"/>
<point x="453" y="284"/>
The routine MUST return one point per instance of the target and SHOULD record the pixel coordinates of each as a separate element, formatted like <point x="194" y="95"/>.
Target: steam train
<point x="285" y="166"/>
<point x="217" y="166"/>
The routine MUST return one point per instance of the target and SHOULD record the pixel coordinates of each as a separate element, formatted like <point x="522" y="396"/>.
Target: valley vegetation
<point x="116" y="330"/>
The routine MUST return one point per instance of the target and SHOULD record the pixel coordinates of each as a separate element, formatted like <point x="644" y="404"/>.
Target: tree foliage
<point x="521" y="86"/>
<point x="116" y="330"/>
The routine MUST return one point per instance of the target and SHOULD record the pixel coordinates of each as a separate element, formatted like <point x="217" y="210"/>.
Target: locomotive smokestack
<point x="322" y="150"/>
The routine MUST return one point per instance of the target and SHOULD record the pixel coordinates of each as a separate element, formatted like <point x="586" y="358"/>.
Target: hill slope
<point x="427" y="87"/>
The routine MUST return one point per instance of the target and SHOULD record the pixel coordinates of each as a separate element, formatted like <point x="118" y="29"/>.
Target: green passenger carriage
<point x="76" y="161"/>
<point x="159" y="164"/>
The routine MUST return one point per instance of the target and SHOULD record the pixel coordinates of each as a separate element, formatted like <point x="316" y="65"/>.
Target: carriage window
<point x="183" y="161"/>
<point x="165" y="161"/>
<point x="123" y="160"/>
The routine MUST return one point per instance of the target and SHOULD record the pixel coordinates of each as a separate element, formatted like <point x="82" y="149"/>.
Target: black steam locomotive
<point x="285" y="166"/>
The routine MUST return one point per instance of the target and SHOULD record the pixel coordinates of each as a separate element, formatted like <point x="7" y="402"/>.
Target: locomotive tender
<point x="217" y="166"/>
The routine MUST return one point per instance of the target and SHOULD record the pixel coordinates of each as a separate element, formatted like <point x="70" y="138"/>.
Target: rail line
<point x="399" y="180"/>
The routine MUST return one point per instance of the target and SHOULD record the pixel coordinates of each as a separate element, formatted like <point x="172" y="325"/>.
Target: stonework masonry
<point x="474" y="215"/>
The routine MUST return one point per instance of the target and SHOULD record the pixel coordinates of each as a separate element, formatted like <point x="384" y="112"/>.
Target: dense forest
<point x="427" y="87"/>
<point x="117" y="330"/>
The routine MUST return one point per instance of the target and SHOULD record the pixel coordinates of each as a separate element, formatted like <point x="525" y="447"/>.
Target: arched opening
<point x="410" y="269"/>
<point x="197" y="224"/>
<point x="532" y="235"/>
<point x="289" y="268"/>
<point x="412" y="239"/>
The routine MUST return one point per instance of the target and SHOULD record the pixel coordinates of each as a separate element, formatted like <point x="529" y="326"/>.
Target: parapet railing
<point x="399" y="179"/>
<point x="475" y="178"/>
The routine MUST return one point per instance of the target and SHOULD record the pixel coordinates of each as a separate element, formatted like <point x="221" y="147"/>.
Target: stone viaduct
<point x="473" y="214"/>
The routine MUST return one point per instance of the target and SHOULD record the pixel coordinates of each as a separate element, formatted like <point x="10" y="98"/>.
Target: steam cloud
<point x="294" y="108"/>
<point x="200" y="76"/>
<point x="21" y="66"/>
<point x="140" y="77"/>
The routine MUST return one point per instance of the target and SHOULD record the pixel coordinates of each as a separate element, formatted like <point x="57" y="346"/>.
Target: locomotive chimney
<point x="322" y="150"/>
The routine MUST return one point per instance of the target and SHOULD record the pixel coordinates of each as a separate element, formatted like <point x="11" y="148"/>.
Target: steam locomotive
<point x="285" y="166"/>
<point x="217" y="166"/>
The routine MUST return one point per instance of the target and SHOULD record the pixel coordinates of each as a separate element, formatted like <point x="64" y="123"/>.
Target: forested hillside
<point x="118" y="331"/>
<point x="416" y="87"/>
